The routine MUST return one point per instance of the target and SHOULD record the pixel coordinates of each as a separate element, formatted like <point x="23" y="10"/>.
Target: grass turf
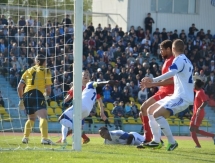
<point x="97" y="152"/>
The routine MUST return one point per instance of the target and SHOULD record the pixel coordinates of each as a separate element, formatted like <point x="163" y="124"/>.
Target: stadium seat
<point x="2" y="110"/>
<point x="53" y="104"/>
<point x="110" y="106"/>
<point x="95" y="119"/>
<point x="50" y="111"/>
<point x="53" y="118"/>
<point x="111" y="119"/>
<point x="205" y="123"/>
<point x="58" y="111"/>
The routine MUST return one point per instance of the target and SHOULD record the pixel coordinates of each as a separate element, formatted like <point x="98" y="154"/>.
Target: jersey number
<point x="190" y="78"/>
<point x="190" y="70"/>
<point x="94" y="95"/>
<point x="33" y="77"/>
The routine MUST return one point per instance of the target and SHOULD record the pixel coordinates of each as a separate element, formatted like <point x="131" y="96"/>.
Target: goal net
<point x="26" y="28"/>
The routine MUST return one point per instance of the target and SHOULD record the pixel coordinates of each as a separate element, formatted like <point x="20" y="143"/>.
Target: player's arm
<point x="101" y="106"/>
<point x="156" y="84"/>
<point x="67" y="98"/>
<point x="20" y="92"/>
<point x="103" y="83"/>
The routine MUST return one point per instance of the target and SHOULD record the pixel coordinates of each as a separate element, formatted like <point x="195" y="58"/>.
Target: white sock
<point x="165" y="129"/>
<point x="155" y="129"/>
<point x="64" y="131"/>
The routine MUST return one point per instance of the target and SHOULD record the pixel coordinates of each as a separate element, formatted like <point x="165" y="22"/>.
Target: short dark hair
<point x="166" y="44"/>
<point x="199" y="83"/>
<point x="41" y="58"/>
<point x="103" y="128"/>
<point x="130" y="139"/>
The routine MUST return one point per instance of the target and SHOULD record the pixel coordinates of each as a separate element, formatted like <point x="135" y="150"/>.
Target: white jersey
<point x="88" y="100"/>
<point x="118" y="137"/>
<point x="183" y="79"/>
<point x="138" y="139"/>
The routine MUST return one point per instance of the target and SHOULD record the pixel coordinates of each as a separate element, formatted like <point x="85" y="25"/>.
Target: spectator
<point x="128" y="111"/>
<point x="142" y="96"/>
<point x="107" y="94"/>
<point x="134" y="110"/>
<point x="118" y="112"/>
<point x="115" y="94"/>
<point x="67" y="21"/>
<point x="148" y="23"/>
<point x="1" y="101"/>
<point x="192" y="31"/>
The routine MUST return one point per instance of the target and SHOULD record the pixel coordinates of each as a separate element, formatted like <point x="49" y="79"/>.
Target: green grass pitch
<point x="97" y="152"/>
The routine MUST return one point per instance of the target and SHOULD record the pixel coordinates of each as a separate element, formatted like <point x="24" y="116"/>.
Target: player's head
<point x="130" y="139"/>
<point x="166" y="49"/>
<point x="40" y="60"/>
<point x="178" y="47"/>
<point x="198" y="84"/>
<point x="104" y="133"/>
<point x="85" y="77"/>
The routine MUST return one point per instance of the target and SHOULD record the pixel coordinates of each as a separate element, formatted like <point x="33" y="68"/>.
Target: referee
<point x="34" y="84"/>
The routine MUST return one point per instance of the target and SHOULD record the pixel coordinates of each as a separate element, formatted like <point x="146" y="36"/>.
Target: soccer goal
<point x="55" y="29"/>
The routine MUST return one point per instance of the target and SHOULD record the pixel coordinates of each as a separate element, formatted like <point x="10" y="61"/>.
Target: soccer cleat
<point x="141" y="146"/>
<point x="85" y="141"/>
<point x="153" y="144"/>
<point x="47" y="142"/>
<point x="25" y="140"/>
<point x="64" y="141"/>
<point x="171" y="147"/>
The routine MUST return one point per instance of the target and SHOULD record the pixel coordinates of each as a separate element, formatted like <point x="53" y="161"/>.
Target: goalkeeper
<point x="34" y="84"/>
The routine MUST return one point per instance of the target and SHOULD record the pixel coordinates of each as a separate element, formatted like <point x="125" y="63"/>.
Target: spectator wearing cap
<point x="211" y="66"/>
<point x="107" y="94"/>
<point x="10" y="21"/>
<point x="118" y="112"/>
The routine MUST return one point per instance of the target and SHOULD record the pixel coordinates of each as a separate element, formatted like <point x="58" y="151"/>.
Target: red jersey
<point x="70" y="92"/>
<point x="169" y="89"/>
<point x="200" y="97"/>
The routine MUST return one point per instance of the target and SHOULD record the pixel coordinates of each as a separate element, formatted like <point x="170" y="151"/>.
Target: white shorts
<point x="66" y="123"/>
<point x="84" y="113"/>
<point x="173" y="104"/>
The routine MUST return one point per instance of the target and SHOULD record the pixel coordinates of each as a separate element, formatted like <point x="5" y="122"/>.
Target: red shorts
<point x="196" y="121"/>
<point x="160" y="95"/>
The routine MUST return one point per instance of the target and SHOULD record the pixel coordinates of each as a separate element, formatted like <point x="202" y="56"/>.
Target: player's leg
<point x="29" y="108"/>
<point x="28" y="128"/>
<point x="66" y="125"/>
<point x="85" y="138"/>
<point x="145" y="119"/>
<point x="42" y="115"/>
<point x="193" y="131"/>
<point x="198" y="122"/>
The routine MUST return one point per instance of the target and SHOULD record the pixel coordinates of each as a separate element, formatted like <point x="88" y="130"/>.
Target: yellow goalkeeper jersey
<point x="36" y="77"/>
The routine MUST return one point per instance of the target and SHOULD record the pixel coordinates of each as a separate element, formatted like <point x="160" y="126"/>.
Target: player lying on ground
<point x="198" y="113"/>
<point x="183" y="96"/>
<point x="85" y="80"/>
<point x="35" y="82"/>
<point x="120" y="137"/>
<point x="166" y="88"/>
<point x="89" y="96"/>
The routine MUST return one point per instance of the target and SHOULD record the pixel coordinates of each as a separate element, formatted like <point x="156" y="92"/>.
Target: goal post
<point x="77" y="73"/>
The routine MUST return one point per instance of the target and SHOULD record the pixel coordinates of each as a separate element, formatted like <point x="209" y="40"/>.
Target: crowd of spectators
<point x="108" y="53"/>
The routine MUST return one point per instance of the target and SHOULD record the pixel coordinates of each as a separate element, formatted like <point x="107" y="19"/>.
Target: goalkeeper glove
<point x="21" y="104"/>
